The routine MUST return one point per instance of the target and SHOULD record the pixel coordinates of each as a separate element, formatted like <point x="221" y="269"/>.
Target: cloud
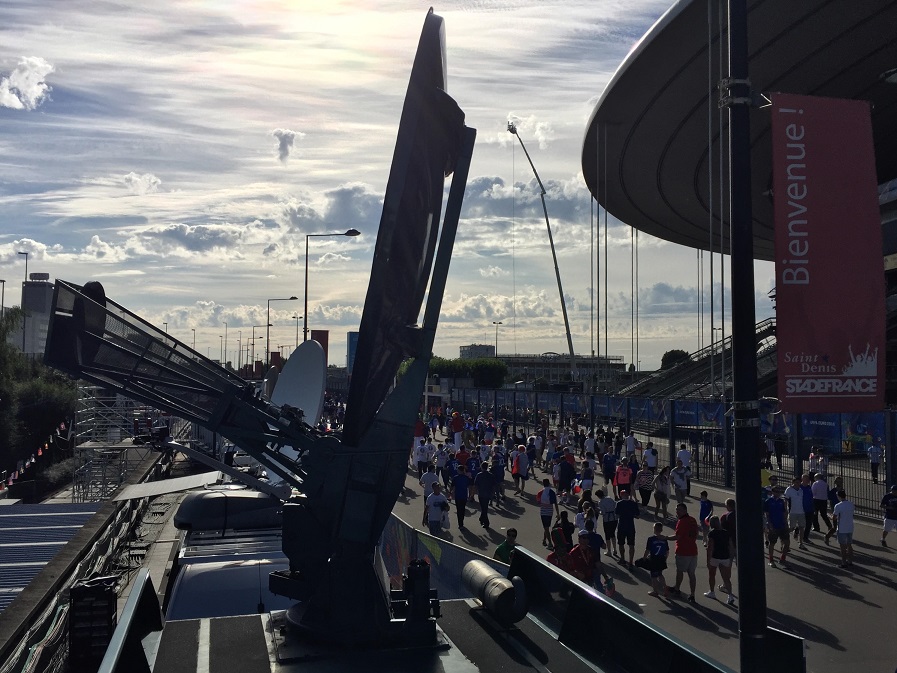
<point x="530" y="128"/>
<point x="493" y="272"/>
<point x="142" y="184"/>
<point x="24" y="88"/>
<point x="285" y="139"/>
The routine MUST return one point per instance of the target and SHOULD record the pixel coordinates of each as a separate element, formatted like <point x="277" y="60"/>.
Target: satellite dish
<point x="270" y="382"/>
<point x="301" y="383"/>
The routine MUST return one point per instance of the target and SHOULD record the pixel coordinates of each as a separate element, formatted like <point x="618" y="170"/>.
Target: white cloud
<point x="202" y="103"/>
<point x="25" y="87"/>
<point x="285" y="139"/>
<point x="493" y="272"/>
<point x="141" y="184"/>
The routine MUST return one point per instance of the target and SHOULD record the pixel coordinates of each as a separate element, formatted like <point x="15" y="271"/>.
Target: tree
<point x="34" y="398"/>
<point x="672" y="358"/>
<point x="485" y="372"/>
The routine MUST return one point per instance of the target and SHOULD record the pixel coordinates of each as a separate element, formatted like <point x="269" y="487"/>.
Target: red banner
<point x="830" y="286"/>
<point x="322" y="336"/>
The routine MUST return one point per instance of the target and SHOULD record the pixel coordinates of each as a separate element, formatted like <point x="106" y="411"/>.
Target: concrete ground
<point x="843" y="615"/>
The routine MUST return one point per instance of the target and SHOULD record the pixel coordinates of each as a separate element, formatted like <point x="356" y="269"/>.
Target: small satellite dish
<point x="270" y="382"/>
<point x="301" y="383"/>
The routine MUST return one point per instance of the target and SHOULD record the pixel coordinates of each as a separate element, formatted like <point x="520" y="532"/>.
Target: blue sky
<point x="180" y="151"/>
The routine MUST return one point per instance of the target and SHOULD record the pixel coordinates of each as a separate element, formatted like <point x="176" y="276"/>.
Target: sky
<point x="179" y="152"/>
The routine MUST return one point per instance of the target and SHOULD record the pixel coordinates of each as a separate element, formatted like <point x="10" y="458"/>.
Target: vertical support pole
<point x="672" y="439"/>
<point x="751" y="568"/>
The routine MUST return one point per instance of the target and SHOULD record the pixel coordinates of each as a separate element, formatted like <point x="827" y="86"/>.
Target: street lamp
<point x="349" y="232"/>
<point x="221" y="349"/>
<point x="239" y="350"/>
<point x="224" y="360"/>
<point x="3" y="301"/>
<point x="496" y="335"/>
<point x="166" y="327"/>
<point x="512" y="129"/>
<point x="297" y="318"/>
<point x="24" y="314"/>
<point x="254" y="337"/>
<point x="193" y="329"/>
<point x="268" y="333"/>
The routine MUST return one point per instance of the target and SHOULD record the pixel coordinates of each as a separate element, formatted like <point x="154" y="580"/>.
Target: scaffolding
<point x="110" y="440"/>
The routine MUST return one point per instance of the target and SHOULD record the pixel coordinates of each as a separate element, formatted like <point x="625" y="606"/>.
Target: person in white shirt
<point x="651" y="456"/>
<point x="797" y="517"/>
<point x="842" y="517"/>
<point x="428" y="479"/>
<point x="436" y="504"/>
<point x="421" y="457"/>
<point x="632" y="444"/>
<point x="685" y="456"/>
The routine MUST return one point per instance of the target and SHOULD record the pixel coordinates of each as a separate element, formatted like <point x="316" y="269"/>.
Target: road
<point x="843" y="615"/>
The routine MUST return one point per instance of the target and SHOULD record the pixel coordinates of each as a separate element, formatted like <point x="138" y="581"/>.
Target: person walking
<point x="461" y="487"/>
<point x="777" y="527"/>
<point x="608" y="509"/>
<point x="820" y="502"/>
<point x="720" y="553"/>
<point x="833" y="500"/>
<point x="657" y="550"/>
<point x="889" y="505"/>
<point x="644" y="482"/>
<point x="797" y="519"/>
<point x="679" y="481"/>
<point x="686" y="537"/>
<point x="485" y="485"/>
<point x="874" y="453"/>
<point x="627" y="512"/>
<point x="436" y="506"/>
<point x="662" y="492"/>
<point x="548" y="503"/>
<point x="843" y="520"/>
<point x="622" y="477"/>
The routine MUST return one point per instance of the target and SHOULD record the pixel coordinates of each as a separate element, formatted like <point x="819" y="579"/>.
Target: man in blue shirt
<point x="460" y="486"/>
<point x="484" y="483"/>
<point x="776" y="516"/>
<point x="627" y="512"/>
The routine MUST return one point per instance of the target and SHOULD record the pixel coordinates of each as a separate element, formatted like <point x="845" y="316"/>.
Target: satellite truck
<point x="338" y="490"/>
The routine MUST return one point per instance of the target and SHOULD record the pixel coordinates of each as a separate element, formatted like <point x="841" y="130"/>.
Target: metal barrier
<point x="669" y="423"/>
<point x="614" y="638"/>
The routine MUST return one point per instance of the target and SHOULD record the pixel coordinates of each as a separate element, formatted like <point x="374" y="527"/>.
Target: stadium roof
<point x="653" y="115"/>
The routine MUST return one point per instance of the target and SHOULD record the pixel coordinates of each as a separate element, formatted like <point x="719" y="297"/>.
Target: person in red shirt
<point x="686" y="538"/>
<point x="582" y="559"/>
<point x="457" y="427"/>
<point x="622" y="477"/>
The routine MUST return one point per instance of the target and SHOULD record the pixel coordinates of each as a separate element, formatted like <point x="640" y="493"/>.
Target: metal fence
<point x="703" y="427"/>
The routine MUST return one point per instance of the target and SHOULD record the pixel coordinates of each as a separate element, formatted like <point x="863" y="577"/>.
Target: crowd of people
<point x="608" y="480"/>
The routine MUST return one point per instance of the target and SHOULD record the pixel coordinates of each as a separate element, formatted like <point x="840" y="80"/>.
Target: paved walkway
<point x="845" y="616"/>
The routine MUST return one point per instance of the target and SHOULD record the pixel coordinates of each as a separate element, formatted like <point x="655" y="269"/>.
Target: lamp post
<point x="224" y="359"/>
<point x="297" y="318"/>
<point x="496" y="335"/>
<point x="254" y="337"/>
<point x="268" y="333"/>
<point x="24" y="314"/>
<point x="239" y="350"/>
<point x="349" y="232"/>
<point x="193" y="329"/>
<point x="3" y="300"/>
<point x="166" y="327"/>
<point x="512" y="128"/>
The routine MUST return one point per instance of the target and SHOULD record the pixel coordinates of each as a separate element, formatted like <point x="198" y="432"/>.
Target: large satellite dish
<point x="301" y="383"/>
